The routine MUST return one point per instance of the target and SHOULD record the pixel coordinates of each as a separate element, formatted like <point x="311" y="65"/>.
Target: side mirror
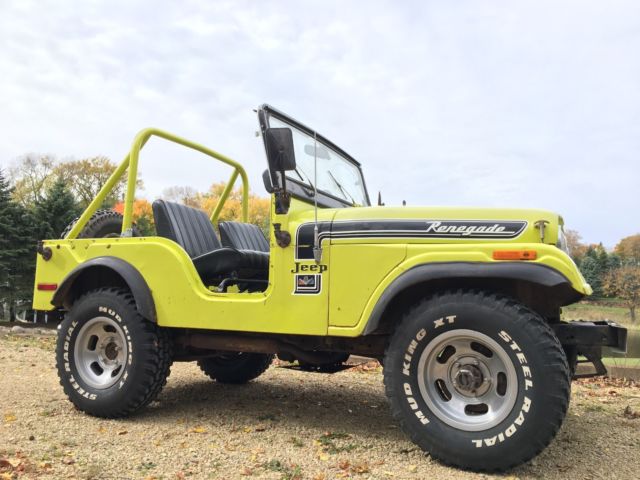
<point x="280" y="153"/>
<point x="268" y="182"/>
<point x="281" y="157"/>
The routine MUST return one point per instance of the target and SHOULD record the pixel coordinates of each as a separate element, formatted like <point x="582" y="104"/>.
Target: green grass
<point x="625" y="362"/>
<point x="597" y="311"/>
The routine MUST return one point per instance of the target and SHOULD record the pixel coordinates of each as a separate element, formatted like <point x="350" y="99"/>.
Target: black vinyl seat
<point x="243" y="236"/>
<point x="193" y="231"/>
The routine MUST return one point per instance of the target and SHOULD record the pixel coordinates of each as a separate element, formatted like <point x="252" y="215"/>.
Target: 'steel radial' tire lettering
<point x="477" y="380"/>
<point x="111" y="361"/>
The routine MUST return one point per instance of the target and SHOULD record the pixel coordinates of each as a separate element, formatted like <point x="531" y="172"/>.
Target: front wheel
<point x="477" y="380"/>
<point x="111" y="361"/>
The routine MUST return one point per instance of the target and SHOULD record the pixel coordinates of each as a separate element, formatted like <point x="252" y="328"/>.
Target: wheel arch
<point x="101" y="272"/>
<point x="539" y="287"/>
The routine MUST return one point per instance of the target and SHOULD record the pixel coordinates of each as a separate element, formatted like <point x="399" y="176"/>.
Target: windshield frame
<point x="305" y="191"/>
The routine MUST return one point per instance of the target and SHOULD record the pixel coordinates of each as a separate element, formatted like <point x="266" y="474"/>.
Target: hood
<point x="445" y="224"/>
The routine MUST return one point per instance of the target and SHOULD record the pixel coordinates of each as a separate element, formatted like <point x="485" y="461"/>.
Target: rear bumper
<point x="586" y="339"/>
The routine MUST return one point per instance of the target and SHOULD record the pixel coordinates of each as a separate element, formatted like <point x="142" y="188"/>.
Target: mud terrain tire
<point x="102" y="224"/>
<point x="111" y="361"/>
<point x="477" y="380"/>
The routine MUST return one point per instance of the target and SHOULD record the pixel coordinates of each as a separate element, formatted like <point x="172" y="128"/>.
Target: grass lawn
<point x="596" y="311"/>
<point x="626" y="362"/>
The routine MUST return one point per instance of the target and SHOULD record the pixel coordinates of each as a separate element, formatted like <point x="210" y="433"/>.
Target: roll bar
<point x="131" y="162"/>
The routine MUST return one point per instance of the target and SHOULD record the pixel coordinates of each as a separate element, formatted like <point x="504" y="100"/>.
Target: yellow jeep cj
<point x="460" y="305"/>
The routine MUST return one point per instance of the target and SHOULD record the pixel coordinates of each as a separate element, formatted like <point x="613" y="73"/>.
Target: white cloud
<point x="530" y="104"/>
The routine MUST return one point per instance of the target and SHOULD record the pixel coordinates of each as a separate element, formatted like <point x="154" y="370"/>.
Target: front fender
<point x="515" y="271"/>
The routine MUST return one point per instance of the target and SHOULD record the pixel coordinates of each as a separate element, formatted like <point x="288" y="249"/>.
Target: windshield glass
<point x="336" y="175"/>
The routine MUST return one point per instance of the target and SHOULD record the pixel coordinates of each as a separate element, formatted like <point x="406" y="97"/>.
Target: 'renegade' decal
<point x="445" y="229"/>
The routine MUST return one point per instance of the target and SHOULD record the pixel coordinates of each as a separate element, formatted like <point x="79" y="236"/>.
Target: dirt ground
<point x="285" y="425"/>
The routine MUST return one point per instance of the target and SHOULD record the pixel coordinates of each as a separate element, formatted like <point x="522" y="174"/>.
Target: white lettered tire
<point x="477" y="380"/>
<point x="111" y="361"/>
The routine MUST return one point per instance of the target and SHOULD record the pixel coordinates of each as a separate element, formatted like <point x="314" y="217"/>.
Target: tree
<point x="32" y="176"/>
<point x="232" y="209"/>
<point x="35" y="174"/>
<point x="182" y="194"/>
<point x="624" y="283"/>
<point x="87" y="176"/>
<point x="142" y="216"/>
<point x="57" y="210"/>
<point x="17" y="250"/>
<point x="592" y="273"/>
<point x="577" y="249"/>
<point x="629" y="249"/>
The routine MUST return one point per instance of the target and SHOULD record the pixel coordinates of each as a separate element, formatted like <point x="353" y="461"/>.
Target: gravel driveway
<point x="285" y="425"/>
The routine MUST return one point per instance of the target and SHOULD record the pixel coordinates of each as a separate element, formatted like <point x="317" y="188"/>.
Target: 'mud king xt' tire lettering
<point x="461" y="375"/>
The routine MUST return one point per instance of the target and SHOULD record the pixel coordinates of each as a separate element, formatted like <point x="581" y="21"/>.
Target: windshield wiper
<point x="344" y="192"/>
<point x="305" y="178"/>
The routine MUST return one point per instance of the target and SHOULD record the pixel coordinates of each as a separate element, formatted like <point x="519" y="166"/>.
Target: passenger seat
<point x="193" y="231"/>
<point x="243" y="236"/>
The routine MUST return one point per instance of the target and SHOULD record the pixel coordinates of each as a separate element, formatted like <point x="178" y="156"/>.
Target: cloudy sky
<point x="496" y="103"/>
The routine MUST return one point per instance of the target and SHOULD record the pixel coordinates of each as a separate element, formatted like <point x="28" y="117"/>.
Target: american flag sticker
<point x="307" y="284"/>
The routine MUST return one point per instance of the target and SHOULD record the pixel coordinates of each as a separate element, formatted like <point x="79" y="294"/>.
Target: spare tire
<point x="102" y="224"/>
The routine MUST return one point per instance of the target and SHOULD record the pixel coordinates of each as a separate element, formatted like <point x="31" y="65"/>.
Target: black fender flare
<point x="541" y="275"/>
<point x="129" y="274"/>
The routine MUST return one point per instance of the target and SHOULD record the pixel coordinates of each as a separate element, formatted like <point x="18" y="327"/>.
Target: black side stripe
<point x="449" y="229"/>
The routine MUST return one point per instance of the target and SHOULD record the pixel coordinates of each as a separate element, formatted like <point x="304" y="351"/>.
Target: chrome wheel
<point x="467" y="380"/>
<point x="100" y="352"/>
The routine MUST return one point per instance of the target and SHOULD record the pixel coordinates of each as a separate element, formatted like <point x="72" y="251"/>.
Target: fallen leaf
<point x="412" y="468"/>
<point x="9" y="417"/>
<point x="362" y="467"/>
<point x="247" y="472"/>
<point x="199" y="430"/>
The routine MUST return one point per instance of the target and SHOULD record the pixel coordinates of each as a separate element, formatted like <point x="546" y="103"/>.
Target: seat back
<point x="187" y="226"/>
<point x="243" y="236"/>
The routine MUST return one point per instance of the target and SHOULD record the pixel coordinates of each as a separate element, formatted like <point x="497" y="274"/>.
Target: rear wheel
<point x="111" y="361"/>
<point x="331" y="363"/>
<point x="235" y="367"/>
<point x="477" y="380"/>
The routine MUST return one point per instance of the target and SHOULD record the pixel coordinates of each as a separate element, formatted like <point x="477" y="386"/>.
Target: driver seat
<point x="191" y="229"/>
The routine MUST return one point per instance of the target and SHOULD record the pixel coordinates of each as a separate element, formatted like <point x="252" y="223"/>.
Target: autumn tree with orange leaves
<point x="207" y="201"/>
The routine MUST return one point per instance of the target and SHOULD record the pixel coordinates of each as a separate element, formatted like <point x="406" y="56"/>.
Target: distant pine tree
<point x="17" y="251"/>
<point x="58" y="209"/>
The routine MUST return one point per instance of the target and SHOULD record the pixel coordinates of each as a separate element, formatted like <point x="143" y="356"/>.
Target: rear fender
<point x="104" y="271"/>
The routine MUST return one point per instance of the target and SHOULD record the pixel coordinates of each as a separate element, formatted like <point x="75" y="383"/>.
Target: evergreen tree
<point x="592" y="273"/>
<point x="57" y="210"/>
<point x="17" y="251"/>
